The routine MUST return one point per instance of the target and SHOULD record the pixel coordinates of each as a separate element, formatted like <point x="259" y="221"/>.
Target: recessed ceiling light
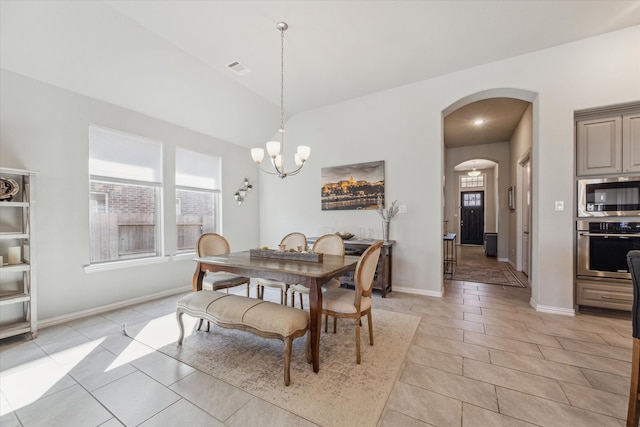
<point x="478" y="122"/>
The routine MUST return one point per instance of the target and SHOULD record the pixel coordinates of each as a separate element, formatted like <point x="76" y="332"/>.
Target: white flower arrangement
<point x="389" y="213"/>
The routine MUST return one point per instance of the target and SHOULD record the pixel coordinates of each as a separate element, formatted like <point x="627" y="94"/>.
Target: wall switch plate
<point x="559" y="205"/>
<point x="402" y="209"/>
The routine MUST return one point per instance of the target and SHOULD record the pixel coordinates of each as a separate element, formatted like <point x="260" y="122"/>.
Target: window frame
<point x="102" y="134"/>
<point x="214" y="191"/>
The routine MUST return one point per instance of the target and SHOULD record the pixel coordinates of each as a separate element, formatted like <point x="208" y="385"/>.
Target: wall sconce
<point x="242" y="191"/>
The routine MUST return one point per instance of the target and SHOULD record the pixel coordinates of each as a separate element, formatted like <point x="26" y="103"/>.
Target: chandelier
<point x="474" y="172"/>
<point x="275" y="149"/>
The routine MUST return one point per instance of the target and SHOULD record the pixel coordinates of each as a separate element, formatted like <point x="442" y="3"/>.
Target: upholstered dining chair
<point x="330" y="244"/>
<point x="633" y="413"/>
<point x="353" y="304"/>
<point x="212" y="244"/>
<point x="290" y="241"/>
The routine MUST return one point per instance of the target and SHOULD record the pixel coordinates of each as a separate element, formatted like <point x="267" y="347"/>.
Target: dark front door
<point x="471" y="217"/>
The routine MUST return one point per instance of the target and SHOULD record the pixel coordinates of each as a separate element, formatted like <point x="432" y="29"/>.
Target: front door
<point x="471" y="217"/>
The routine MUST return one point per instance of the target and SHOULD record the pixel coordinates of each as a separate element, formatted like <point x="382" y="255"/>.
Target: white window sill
<point x="184" y="256"/>
<point x="116" y="265"/>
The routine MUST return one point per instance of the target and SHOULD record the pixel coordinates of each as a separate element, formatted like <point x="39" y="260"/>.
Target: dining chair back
<point x="212" y="244"/>
<point x="294" y="240"/>
<point x="633" y="412"/>
<point x="290" y="241"/>
<point x="345" y="303"/>
<point x="330" y="244"/>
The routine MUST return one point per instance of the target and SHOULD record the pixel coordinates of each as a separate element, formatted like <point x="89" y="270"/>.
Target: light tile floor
<point x="481" y="357"/>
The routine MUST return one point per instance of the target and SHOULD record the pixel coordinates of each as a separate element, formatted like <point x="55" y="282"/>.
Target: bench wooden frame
<point x="186" y="305"/>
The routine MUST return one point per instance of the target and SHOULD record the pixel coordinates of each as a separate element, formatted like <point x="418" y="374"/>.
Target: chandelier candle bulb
<point x="273" y="148"/>
<point x="257" y="154"/>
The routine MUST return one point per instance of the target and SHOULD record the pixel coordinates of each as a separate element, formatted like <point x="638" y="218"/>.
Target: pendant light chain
<point x="282" y="82"/>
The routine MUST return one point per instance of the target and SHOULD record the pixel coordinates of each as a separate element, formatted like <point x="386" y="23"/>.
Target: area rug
<point x="491" y="275"/>
<point x="332" y="397"/>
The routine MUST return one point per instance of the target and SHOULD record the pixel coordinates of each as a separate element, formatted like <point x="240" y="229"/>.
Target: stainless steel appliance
<point x="602" y="197"/>
<point x="602" y="248"/>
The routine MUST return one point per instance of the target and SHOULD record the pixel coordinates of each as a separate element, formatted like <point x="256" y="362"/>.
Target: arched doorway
<point x="508" y="152"/>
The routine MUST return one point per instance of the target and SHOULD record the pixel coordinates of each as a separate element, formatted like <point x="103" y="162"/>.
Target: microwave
<point x="601" y="197"/>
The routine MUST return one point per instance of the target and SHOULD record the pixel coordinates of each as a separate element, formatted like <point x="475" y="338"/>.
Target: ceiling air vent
<point x="238" y="68"/>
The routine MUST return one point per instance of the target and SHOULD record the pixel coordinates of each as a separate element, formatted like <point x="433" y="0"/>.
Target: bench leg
<point x="287" y="359"/>
<point x="181" y="326"/>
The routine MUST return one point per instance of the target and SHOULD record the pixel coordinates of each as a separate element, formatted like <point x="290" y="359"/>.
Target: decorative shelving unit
<point x="18" y="278"/>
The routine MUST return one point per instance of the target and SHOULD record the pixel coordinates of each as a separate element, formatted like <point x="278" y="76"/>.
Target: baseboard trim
<point x="415" y="291"/>
<point x="551" y="309"/>
<point x="109" y="307"/>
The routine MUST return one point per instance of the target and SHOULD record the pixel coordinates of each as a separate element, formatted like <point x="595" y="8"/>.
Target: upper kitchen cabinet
<point x="631" y="142"/>
<point x="599" y="146"/>
<point x="608" y="145"/>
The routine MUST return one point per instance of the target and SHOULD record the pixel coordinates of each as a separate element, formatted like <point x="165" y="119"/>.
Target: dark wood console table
<point x="450" y="257"/>
<point x="382" y="279"/>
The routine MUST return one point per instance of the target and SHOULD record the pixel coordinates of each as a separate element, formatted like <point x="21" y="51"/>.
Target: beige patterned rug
<point x="332" y="397"/>
<point x="491" y="275"/>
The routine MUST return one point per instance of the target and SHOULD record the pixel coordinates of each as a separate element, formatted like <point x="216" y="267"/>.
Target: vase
<point x="385" y="230"/>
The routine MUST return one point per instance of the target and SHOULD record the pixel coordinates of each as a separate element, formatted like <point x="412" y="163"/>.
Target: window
<point x="125" y="179"/>
<point x="471" y="181"/>
<point x="471" y="199"/>
<point x="197" y="197"/>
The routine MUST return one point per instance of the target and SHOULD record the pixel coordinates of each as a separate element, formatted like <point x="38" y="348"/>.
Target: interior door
<point x="471" y="217"/>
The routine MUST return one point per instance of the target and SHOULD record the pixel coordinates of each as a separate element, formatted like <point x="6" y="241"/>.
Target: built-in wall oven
<point x="602" y="276"/>
<point x="603" y="245"/>
<point x="604" y="197"/>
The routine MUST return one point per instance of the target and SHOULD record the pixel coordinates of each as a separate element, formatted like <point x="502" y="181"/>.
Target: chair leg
<point x="287" y="360"/>
<point x="301" y="304"/>
<point x="633" y="414"/>
<point x="358" y="341"/>
<point x="199" y="324"/>
<point x="293" y="298"/>
<point x="281" y="296"/>
<point x="308" y="346"/>
<point x="370" y="329"/>
<point x="248" y="287"/>
<point x="181" y="326"/>
<point x="335" y="324"/>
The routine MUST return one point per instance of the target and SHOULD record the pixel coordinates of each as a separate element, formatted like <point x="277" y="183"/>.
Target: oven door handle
<point x="620" y="236"/>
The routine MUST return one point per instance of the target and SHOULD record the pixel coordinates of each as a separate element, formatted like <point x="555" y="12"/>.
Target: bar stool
<point x="633" y="261"/>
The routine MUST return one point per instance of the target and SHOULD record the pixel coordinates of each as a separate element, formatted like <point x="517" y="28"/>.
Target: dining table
<point x="311" y="274"/>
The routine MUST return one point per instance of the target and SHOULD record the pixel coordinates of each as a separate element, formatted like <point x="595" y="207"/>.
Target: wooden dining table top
<point x="331" y="266"/>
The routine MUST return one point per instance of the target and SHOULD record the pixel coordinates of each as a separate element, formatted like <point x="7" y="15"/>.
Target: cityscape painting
<point x="352" y="187"/>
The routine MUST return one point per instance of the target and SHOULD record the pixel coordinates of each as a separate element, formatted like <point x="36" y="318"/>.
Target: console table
<point x="382" y="279"/>
<point x="449" y="250"/>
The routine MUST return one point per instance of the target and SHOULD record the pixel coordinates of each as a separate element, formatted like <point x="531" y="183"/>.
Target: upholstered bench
<point x="263" y="318"/>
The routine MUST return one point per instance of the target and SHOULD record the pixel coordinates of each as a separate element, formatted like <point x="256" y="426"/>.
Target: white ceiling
<point x="167" y="58"/>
